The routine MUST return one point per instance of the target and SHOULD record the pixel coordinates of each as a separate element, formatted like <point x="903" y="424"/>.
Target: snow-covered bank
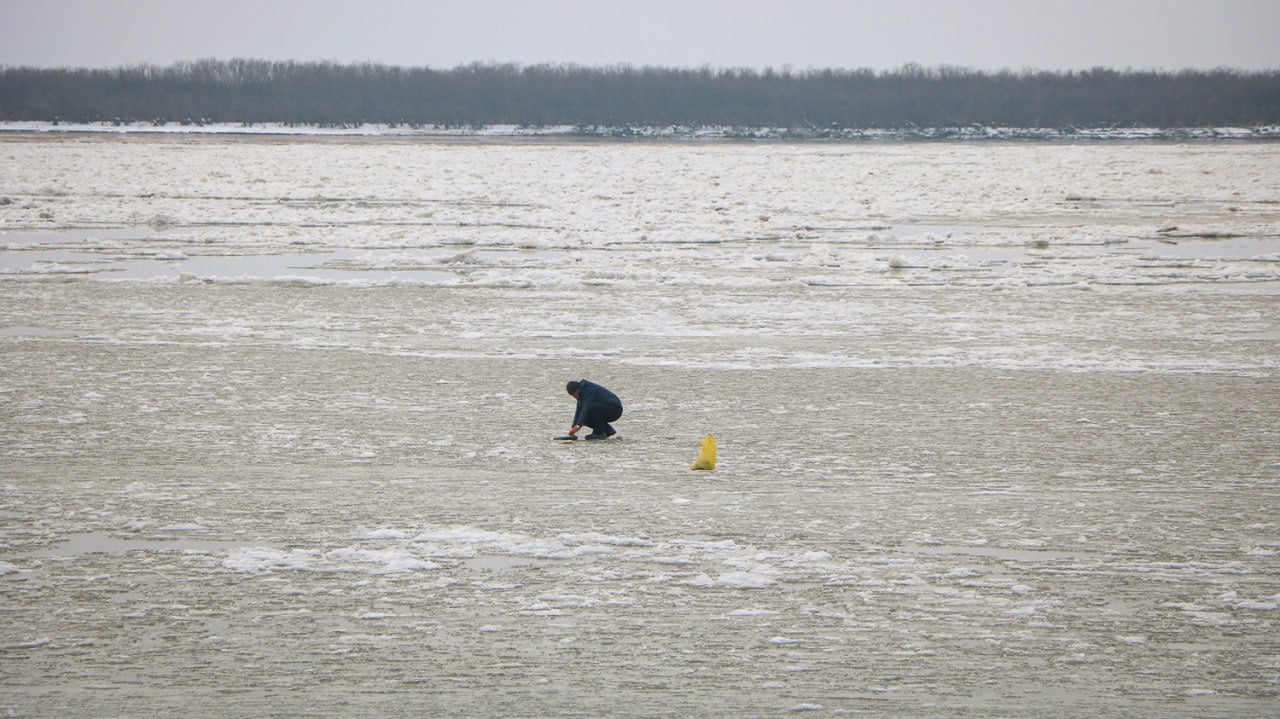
<point x="669" y="132"/>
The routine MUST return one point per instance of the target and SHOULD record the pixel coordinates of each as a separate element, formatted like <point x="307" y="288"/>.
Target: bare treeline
<point x="331" y="94"/>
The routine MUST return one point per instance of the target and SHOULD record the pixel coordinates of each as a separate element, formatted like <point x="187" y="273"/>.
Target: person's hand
<point x="573" y="431"/>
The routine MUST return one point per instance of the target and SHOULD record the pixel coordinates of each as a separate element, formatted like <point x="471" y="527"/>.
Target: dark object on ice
<point x="597" y="407"/>
<point x="565" y="436"/>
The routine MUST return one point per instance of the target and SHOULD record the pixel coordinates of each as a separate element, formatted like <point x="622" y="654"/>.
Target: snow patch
<point x="745" y="580"/>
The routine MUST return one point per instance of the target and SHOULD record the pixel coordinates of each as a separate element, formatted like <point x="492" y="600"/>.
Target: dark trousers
<point x="598" y="415"/>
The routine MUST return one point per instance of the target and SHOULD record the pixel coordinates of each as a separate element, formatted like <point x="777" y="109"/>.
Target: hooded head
<point x="572" y="387"/>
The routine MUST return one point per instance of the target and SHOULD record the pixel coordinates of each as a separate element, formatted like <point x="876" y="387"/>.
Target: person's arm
<point x="577" y="416"/>
<point x="585" y="397"/>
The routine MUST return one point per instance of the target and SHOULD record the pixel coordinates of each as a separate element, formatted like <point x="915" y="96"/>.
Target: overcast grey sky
<point x="880" y="34"/>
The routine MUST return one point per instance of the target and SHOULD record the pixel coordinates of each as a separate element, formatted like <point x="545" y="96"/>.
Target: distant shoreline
<point x="975" y="133"/>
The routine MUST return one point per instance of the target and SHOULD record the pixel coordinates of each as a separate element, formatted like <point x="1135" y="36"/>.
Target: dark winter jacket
<point x="593" y="399"/>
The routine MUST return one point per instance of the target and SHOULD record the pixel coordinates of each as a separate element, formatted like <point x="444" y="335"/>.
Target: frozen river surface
<point x="998" y="428"/>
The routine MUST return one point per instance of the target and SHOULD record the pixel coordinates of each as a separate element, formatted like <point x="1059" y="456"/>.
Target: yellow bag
<point x="707" y="457"/>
